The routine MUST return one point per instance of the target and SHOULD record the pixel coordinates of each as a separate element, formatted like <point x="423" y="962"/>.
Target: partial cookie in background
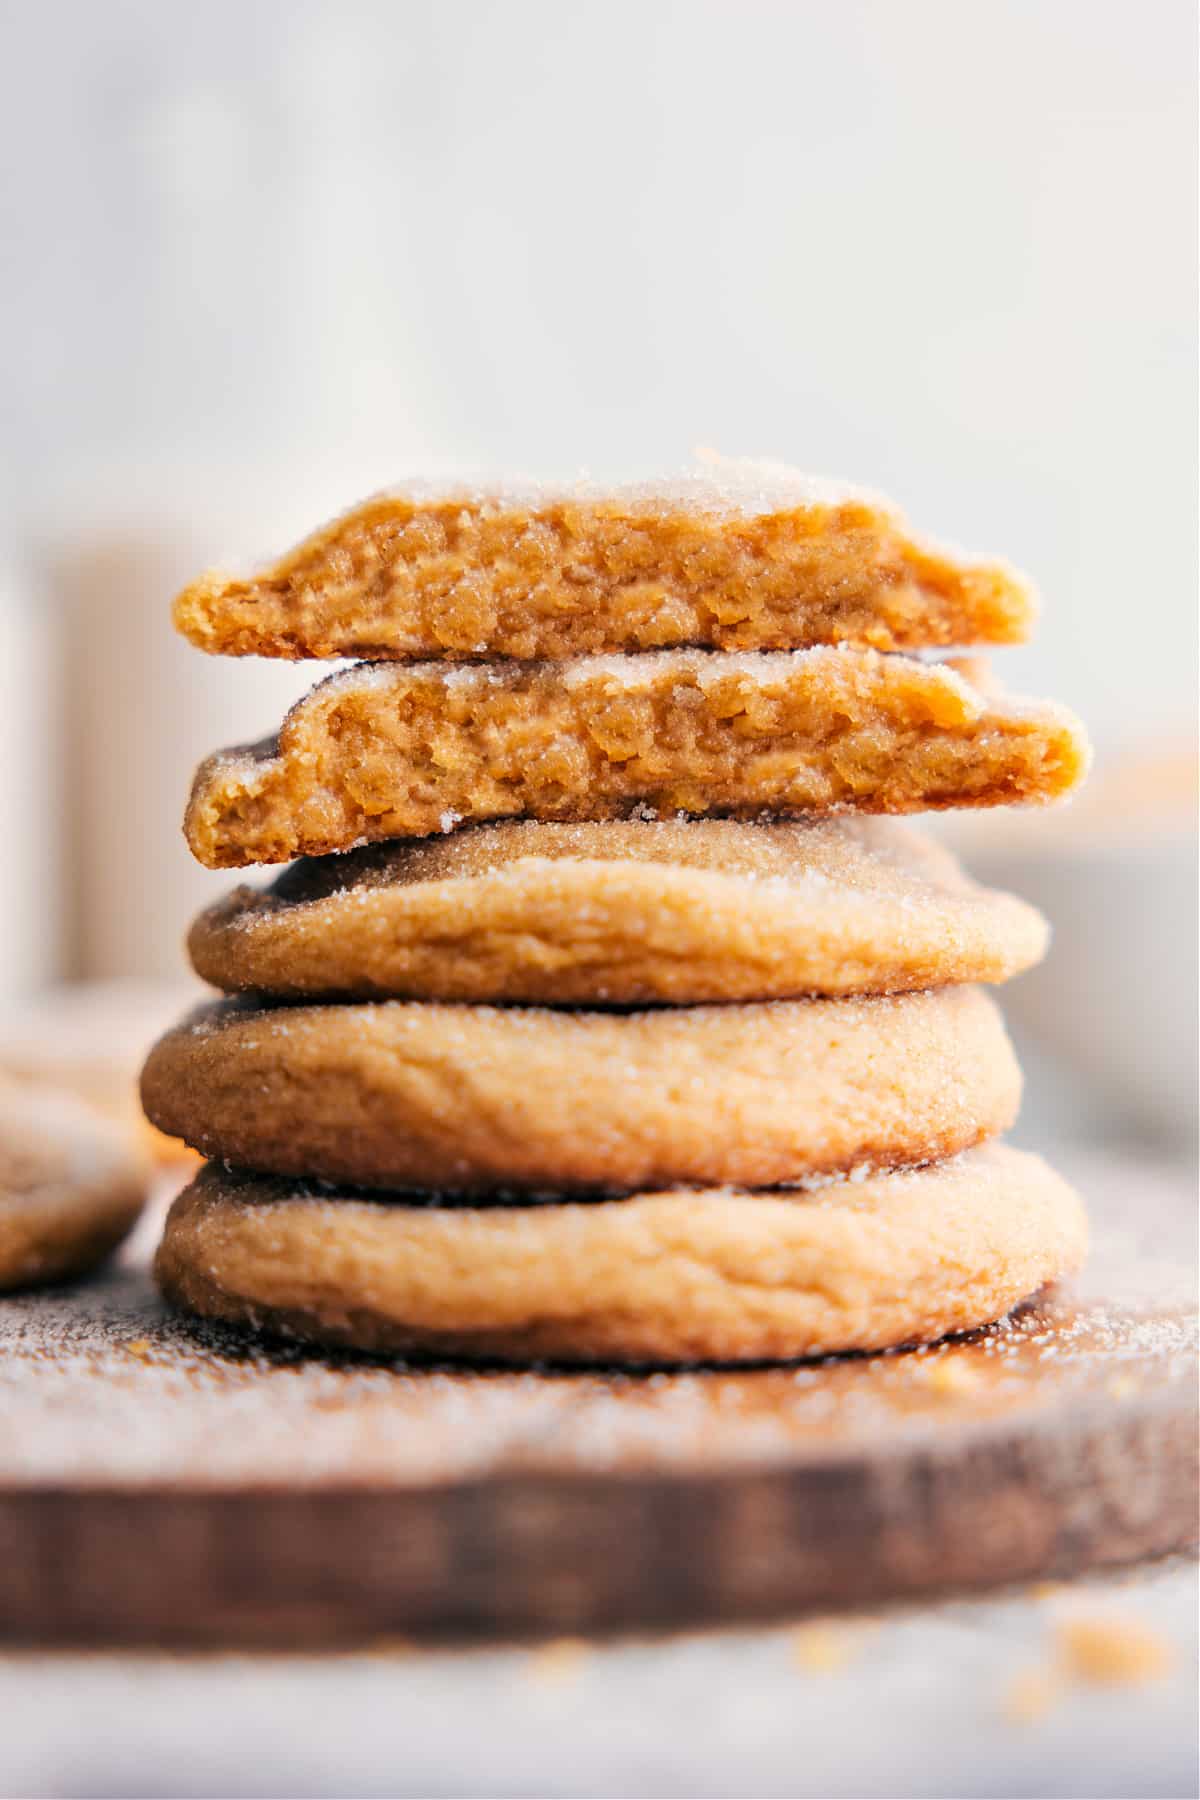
<point x="71" y="1186"/>
<point x="90" y="1038"/>
<point x="472" y="1098"/>
<point x="396" y="750"/>
<point x="621" y="912"/>
<point x="735" y="556"/>
<point x="711" y="1275"/>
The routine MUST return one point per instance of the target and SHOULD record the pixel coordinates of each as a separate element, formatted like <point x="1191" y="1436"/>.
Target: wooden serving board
<point x="161" y="1483"/>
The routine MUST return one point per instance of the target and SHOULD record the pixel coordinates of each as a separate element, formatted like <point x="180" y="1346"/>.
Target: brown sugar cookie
<point x="71" y="1187"/>
<point x="622" y="911"/>
<point x="395" y="750"/>
<point x="470" y="1098"/>
<point x="737" y="557"/>
<point x="718" y="1274"/>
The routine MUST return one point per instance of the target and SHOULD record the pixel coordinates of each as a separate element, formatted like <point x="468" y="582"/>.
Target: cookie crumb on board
<point x="824" y="1648"/>
<point x="559" y="1660"/>
<point x="1112" y="1650"/>
<point x="1098" y="1650"/>
<point x="1031" y="1694"/>
<point x="951" y="1377"/>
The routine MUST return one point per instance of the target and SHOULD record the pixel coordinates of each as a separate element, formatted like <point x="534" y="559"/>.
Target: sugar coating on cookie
<point x="397" y="750"/>
<point x="473" y="1098"/>
<point x="621" y="912"/>
<point x="71" y="1186"/>
<point x="720" y="1274"/>
<point x="731" y="556"/>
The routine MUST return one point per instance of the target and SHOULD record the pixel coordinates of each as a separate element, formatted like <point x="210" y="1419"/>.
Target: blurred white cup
<point x="141" y="708"/>
<point x="1116" y="874"/>
<point x="30" y="758"/>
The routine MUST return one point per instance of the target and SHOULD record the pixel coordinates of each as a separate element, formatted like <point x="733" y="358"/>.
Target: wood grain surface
<point x="163" y="1483"/>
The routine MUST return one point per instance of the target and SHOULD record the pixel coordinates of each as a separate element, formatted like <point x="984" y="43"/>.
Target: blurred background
<point x="262" y="258"/>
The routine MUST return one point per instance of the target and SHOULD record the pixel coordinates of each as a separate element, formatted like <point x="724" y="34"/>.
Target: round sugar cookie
<point x="71" y="1186"/>
<point x="718" y="1274"/>
<point x="470" y="1098"/>
<point x="623" y="911"/>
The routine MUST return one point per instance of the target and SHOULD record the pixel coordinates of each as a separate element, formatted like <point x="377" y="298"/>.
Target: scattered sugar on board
<point x="207" y="1405"/>
<point x="109" y="1385"/>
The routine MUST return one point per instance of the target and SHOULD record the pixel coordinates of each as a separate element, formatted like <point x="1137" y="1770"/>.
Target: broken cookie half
<point x="396" y="750"/>
<point x="738" y="556"/>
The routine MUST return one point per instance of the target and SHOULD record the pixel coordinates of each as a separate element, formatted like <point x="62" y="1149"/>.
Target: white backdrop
<point x="265" y="254"/>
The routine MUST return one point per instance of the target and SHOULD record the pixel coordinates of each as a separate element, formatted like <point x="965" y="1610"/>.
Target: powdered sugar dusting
<point x="715" y="484"/>
<point x="108" y="1387"/>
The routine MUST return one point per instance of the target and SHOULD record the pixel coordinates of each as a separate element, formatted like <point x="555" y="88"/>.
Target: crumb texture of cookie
<point x="669" y="1277"/>
<point x="740" y="557"/>
<point x="71" y="1186"/>
<point x="474" y="1098"/>
<point x="393" y="750"/>
<point x="621" y="912"/>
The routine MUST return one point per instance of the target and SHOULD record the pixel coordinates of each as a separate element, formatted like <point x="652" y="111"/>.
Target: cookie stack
<point x="602" y="1017"/>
